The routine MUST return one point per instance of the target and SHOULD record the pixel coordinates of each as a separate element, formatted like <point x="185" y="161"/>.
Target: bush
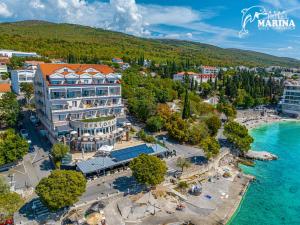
<point x="214" y="124"/>
<point x="210" y="147"/>
<point x="147" y="138"/>
<point x="155" y="123"/>
<point x="183" y="185"/>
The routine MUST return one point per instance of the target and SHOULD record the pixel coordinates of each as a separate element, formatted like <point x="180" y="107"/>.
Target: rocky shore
<point x="261" y="155"/>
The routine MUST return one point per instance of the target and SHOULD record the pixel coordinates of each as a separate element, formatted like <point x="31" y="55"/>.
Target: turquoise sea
<point x="275" y="197"/>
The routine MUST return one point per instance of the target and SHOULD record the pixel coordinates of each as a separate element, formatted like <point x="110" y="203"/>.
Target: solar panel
<point x="132" y="152"/>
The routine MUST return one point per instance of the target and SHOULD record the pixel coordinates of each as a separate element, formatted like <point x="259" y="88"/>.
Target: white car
<point x="24" y="133"/>
<point x="33" y="119"/>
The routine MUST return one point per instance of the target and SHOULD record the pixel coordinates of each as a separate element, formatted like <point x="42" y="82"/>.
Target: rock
<point x="261" y="155"/>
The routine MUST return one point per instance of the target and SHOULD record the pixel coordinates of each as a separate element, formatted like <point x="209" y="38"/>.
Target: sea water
<point x="274" y="198"/>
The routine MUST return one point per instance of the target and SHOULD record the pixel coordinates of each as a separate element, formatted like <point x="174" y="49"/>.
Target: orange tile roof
<point x="34" y="63"/>
<point x="47" y="69"/>
<point x="188" y="73"/>
<point x="209" y="67"/>
<point x="5" y="88"/>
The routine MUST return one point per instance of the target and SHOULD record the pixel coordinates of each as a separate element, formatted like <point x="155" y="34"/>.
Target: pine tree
<point x="186" y="107"/>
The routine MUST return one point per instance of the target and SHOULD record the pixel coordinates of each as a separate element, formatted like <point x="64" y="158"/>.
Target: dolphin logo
<point x="249" y="16"/>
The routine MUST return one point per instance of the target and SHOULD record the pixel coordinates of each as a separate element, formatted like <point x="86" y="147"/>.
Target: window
<point x="71" y="81"/>
<point x="85" y="81"/>
<point x="55" y="82"/>
<point x="61" y="117"/>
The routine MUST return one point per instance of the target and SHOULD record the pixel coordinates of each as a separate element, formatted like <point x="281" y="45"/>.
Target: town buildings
<point x="199" y="78"/>
<point x="290" y="103"/>
<point x="80" y="104"/>
<point x="209" y="70"/>
<point x="11" y="53"/>
<point x="3" y="68"/>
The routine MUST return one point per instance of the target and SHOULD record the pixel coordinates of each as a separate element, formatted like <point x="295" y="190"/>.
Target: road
<point x="104" y="186"/>
<point x="34" y="166"/>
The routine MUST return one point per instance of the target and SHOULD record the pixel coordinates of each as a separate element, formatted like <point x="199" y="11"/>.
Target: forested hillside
<point x="90" y="44"/>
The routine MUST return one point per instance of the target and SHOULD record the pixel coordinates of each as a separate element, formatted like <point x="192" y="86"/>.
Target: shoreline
<point x="238" y="202"/>
<point x="253" y="119"/>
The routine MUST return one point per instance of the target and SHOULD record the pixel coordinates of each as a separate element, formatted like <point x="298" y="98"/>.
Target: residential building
<point x="11" y="53"/>
<point x="200" y="78"/>
<point x="123" y="66"/>
<point x="117" y="60"/>
<point x="290" y="103"/>
<point x="21" y="76"/>
<point x="80" y="104"/>
<point x="4" y="88"/>
<point x="32" y="64"/>
<point x="3" y="68"/>
<point x="209" y="70"/>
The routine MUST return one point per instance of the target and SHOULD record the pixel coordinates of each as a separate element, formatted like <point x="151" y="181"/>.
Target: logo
<point x="276" y="20"/>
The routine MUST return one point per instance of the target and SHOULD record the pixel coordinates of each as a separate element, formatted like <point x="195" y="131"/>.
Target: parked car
<point x="33" y="119"/>
<point x="31" y="148"/>
<point x="24" y="133"/>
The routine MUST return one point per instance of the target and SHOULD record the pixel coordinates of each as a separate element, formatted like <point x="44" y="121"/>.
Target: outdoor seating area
<point x="118" y="158"/>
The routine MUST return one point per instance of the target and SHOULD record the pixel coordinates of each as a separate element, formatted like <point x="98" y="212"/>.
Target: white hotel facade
<point x="290" y="103"/>
<point x="79" y="104"/>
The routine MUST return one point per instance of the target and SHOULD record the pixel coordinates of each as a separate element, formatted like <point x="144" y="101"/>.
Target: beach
<point x="253" y="119"/>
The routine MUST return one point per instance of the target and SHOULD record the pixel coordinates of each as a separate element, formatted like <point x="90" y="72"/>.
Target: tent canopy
<point x="106" y="148"/>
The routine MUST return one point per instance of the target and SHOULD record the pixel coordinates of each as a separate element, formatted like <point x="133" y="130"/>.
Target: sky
<point x="215" y="22"/>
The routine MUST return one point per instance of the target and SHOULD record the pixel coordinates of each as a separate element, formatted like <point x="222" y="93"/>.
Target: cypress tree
<point x="186" y="107"/>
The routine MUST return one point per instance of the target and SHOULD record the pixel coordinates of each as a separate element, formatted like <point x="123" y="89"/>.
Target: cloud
<point x="127" y="18"/>
<point x="288" y="48"/>
<point x="4" y="11"/>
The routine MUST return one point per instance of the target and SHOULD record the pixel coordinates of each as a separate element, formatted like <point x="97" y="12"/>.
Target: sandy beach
<point x="253" y="119"/>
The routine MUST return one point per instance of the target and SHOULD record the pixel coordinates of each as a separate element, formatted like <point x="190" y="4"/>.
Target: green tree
<point x="214" y="124"/>
<point x="4" y="188"/>
<point x="177" y="128"/>
<point x="61" y="188"/>
<point x="12" y="147"/>
<point x="10" y="202"/>
<point x="206" y="89"/>
<point x="196" y="132"/>
<point x="210" y="147"/>
<point x="148" y="169"/>
<point x="155" y="123"/>
<point x="186" y="112"/>
<point x="183" y="163"/>
<point x="238" y="135"/>
<point x="9" y="110"/>
<point x="27" y="89"/>
<point x="58" y="151"/>
<point x="227" y="109"/>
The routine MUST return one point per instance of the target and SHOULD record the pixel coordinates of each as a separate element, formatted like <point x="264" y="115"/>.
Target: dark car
<point x="31" y="149"/>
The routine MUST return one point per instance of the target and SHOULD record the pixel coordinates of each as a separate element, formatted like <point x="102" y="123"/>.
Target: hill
<point x="60" y="40"/>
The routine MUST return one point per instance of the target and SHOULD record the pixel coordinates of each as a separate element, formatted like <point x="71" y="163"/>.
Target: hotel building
<point x="290" y="103"/>
<point x="200" y="78"/>
<point x="80" y="104"/>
